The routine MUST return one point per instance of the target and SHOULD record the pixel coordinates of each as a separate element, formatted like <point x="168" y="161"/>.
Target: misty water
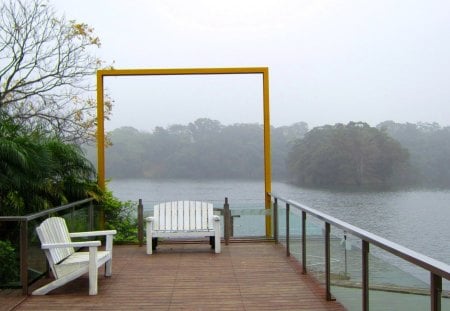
<point x="417" y="219"/>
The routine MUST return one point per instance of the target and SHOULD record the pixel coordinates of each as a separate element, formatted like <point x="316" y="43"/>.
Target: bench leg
<point x="217" y="243"/>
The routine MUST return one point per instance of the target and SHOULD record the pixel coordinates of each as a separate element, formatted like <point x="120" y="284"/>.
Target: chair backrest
<point x="183" y="215"/>
<point x="54" y="230"/>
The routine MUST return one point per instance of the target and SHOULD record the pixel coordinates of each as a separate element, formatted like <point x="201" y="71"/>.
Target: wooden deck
<point x="245" y="276"/>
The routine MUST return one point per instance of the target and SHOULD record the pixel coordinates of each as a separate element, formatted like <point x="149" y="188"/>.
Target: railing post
<point x="288" y="251"/>
<point x="327" y="262"/>
<point x="24" y="256"/>
<point x="304" y="242"/>
<point x="72" y="217"/>
<point x="275" y="220"/>
<point x="226" y="221"/>
<point x="435" y="292"/>
<point x="140" y="223"/>
<point x="91" y="216"/>
<point x="365" y="275"/>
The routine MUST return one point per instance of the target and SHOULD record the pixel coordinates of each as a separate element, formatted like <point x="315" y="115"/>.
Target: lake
<point x="417" y="219"/>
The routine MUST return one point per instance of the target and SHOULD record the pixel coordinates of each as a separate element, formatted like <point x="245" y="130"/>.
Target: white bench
<point x="183" y="219"/>
<point x="65" y="263"/>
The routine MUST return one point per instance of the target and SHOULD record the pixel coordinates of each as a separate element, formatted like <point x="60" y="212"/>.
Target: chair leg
<point x="51" y="286"/>
<point x="108" y="267"/>
<point x="93" y="271"/>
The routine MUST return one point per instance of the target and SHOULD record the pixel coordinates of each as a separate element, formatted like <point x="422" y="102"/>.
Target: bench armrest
<point x="216" y="218"/>
<point x="72" y="244"/>
<point x="92" y="233"/>
<point x="150" y="219"/>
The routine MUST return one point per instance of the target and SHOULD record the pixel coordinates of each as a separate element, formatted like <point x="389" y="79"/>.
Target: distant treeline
<point x="356" y="154"/>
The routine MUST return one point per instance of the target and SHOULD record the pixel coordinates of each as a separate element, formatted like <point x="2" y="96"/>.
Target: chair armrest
<point x="72" y="244"/>
<point x="150" y="219"/>
<point x="92" y="233"/>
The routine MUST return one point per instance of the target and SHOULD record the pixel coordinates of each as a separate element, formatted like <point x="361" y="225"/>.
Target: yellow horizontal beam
<point x="182" y="71"/>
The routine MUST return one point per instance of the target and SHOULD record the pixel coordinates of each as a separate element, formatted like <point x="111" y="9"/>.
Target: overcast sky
<point x="329" y="61"/>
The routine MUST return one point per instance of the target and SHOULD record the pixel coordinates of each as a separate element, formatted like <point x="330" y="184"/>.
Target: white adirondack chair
<point x="183" y="219"/>
<point x="65" y="263"/>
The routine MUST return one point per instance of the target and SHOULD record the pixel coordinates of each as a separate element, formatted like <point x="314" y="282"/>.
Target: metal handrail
<point x="437" y="269"/>
<point x="36" y="215"/>
<point x="23" y="221"/>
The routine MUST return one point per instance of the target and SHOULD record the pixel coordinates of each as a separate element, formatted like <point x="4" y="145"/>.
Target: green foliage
<point x="120" y="216"/>
<point x="346" y="155"/>
<point x="9" y="267"/>
<point x="39" y="172"/>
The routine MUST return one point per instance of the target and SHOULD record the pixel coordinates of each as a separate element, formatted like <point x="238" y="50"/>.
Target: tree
<point x="38" y="172"/>
<point x="429" y="148"/>
<point x="282" y="140"/>
<point x="45" y="63"/>
<point x="346" y="155"/>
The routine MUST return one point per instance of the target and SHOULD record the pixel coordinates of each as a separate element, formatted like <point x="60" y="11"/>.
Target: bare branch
<point x="45" y="63"/>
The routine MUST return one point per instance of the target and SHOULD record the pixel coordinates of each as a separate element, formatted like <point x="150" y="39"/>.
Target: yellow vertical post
<point x="100" y="132"/>
<point x="267" y="159"/>
<point x="100" y="143"/>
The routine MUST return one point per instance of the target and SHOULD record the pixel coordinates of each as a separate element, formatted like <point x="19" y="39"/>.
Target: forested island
<point x="354" y="154"/>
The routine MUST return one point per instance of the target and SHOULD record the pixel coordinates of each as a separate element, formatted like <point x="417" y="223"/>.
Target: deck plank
<point x="245" y="276"/>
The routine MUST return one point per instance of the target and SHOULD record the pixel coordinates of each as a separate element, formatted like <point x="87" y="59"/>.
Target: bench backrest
<point x="54" y="230"/>
<point x="183" y="216"/>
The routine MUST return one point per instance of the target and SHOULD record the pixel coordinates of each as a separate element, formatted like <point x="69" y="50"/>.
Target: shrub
<point x="121" y="216"/>
<point x="9" y="267"/>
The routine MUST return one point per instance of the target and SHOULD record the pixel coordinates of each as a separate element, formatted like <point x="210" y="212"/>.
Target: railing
<point x="437" y="270"/>
<point x="27" y="236"/>
<point x="228" y="220"/>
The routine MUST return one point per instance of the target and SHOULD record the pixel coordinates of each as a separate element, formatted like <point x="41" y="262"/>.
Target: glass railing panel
<point x="282" y="224"/>
<point x="295" y="233"/>
<point x="9" y="255"/>
<point x="37" y="263"/>
<point x="445" y="294"/>
<point x="249" y="222"/>
<point x="446" y="286"/>
<point x="315" y="248"/>
<point x="396" y="284"/>
<point x="248" y="218"/>
<point x="345" y="264"/>
<point x="77" y="220"/>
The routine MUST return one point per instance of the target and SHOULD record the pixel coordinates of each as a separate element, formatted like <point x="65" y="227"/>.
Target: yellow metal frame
<point x="188" y="71"/>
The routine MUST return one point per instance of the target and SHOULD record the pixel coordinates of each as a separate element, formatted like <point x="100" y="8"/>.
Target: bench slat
<point x="191" y="215"/>
<point x="168" y="216"/>
<point x="54" y="230"/>
<point x="204" y="217"/>
<point x="198" y="213"/>
<point x="186" y="219"/>
<point x="180" y="215"/>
